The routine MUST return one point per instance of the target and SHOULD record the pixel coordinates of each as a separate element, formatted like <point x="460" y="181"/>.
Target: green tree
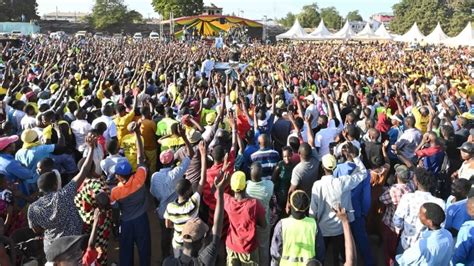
<point x="354" y="16"/>
<point x="288" y="20"/>
<point x="179" y="8"/>
<point x="107" y="14"/>
<point x="13" y="10"/>
<point x="461" y="15"/>
<point x="134" y="16"/>
<point x="331" y="17"/>
<point x="309" y="16"/>
<point x="426" y="13"/>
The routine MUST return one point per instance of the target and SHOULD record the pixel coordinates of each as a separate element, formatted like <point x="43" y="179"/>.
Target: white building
<point x="68" y="16"/>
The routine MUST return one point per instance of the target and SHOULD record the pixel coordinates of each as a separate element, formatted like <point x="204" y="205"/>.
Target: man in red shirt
<point x="221" y="164"/>
<point x="244" y="216"/>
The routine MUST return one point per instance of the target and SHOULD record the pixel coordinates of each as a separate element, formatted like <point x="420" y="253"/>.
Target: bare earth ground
<point x="156" y="259"/>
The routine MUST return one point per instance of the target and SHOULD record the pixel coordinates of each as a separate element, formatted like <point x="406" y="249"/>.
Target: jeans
<point x="361" y="239"/>
<point x="334" y="244"/>
<point x="136" y="231"/>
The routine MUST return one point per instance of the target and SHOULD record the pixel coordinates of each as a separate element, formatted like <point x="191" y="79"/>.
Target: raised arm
<point x="203" y="151"/>
<point x="349" y="244"/>
<point x="86" y="167"/>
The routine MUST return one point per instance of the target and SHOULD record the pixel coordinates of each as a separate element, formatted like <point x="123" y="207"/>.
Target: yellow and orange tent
<point x="211" y="25"/>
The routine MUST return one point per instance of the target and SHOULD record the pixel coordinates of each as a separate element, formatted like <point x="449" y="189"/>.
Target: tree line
<point x="453" y="15"/>
<point x="111" y="14"/>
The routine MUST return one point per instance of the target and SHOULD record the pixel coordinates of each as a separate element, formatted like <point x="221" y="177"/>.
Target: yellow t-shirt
<point x="129" y="146"/>
<point x="121" y="123"/>
<point x="421" y="121"/>
<point x="163" y="127"/>
<point x="172" y="142"/>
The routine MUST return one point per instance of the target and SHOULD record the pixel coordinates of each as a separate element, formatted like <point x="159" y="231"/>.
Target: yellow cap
<point x="162" y="77"/>
<point x="54" y="87"/>
<point x="77" y="76"/>
<point x="329" y="161"/>
<point x="238" y="181"/>
<point x="210" y="118"/>
<point x="29" y="136"/>
<point x="233" y="96"/>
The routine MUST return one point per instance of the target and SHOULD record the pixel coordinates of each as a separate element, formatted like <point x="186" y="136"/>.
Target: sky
<point x="252" y="9"/>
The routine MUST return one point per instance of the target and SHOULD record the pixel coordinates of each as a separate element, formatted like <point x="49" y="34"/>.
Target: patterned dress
<point x="86" y="203"/>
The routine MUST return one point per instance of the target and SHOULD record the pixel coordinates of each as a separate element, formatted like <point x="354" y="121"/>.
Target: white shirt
<point x="330" y="191"/>
<point x="207" y="66"/>
<point x="28" y="122"/>
<point x="406" y="215"/>
<point x="313" y="110"/>
<point x="324" y="137"/>
<point x="80" y="128"/>
<point x="111" y="130"/>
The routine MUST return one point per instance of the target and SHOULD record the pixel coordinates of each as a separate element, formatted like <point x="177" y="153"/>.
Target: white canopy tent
<point x="382" y="34"/>
<point x="414" y="34"/>
<point x="345" y="33"/>
<point x="296" y="32"/>
<point x="465" y="37"/>
<point x="365" y="34"/>
<point x="436" y="36"/>
<point x="320" y="33"/>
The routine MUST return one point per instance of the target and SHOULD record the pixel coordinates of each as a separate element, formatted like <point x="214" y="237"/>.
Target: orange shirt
<point x="123" y="190"/>
<point x="148" y="129"/>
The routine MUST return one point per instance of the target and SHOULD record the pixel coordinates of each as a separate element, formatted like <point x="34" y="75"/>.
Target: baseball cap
<point x="123" y="167"/>
<point x="402" y="171"/>
<point x="467" y="147"/>
<point x="399" y="118"/>
<point x="237" y="181"/>
<point x="309" y="98"/>
<point x="329" y="161"/>
<point x="5" y="141"/>
<point x="194" y="136"/>
<point x="29" y="136"/>
<point x="211" y="118"/>
<point x="194" y="230"/>
<point x="166" y="157"/>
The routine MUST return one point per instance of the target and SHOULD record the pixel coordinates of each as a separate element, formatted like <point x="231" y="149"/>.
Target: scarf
<point x="31" y="145"/>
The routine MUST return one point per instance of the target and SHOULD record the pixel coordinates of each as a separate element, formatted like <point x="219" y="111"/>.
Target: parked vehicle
<point x="154" y="35"/>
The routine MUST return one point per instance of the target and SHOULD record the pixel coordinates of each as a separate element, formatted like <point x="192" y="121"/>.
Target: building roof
<point x="388" y="14"/>
<point x="212" y="6"/>
<point x="66" y="14"/>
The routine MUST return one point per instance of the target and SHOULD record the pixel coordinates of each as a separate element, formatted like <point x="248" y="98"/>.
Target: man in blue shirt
<point x="11" y="168"/>
<point x="456" y="212"/>
<point x="435" y="244"/>
<point x="360" y="197"/>
<point x="464" y="248"/>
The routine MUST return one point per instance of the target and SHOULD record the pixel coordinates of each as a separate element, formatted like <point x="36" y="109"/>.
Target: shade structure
<point x="211" y="25"/>
<point x="465" y="37"/>
<point x="413" y="35"/>
<point x="296" y="32"/>
<point x="436" y="36"/>
<point x="345" y="33"/>
<point x="365" y="34"/>
<point x="320" y="33"/>
<point x="382" y="34"/>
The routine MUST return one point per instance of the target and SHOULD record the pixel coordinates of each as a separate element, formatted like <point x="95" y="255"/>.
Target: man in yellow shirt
<point x="422" y="118"/>
<point x="123" y="119"/>
<point x="129" y="146"/>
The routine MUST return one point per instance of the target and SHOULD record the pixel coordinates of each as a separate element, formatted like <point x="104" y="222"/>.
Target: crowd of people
<point x="307" y="155"/>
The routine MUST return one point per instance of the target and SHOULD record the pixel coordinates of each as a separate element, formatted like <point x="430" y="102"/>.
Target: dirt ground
<point x="156" y="256"/>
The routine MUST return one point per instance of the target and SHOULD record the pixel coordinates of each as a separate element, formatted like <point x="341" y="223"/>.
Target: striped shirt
<point x="268" y="158"/>
<point x="180" y="213"/>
